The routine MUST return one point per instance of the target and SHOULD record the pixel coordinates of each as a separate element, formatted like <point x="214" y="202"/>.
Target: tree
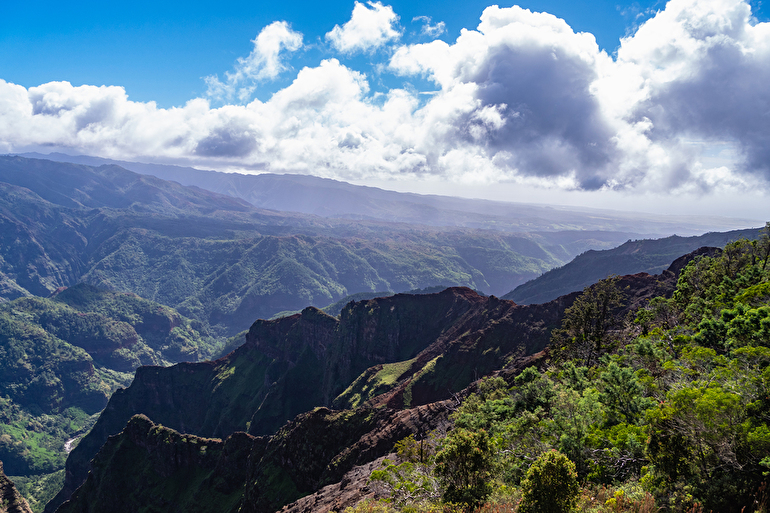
<point x="409" y="481"/>
<point x="551" y="485"/>
<point x="464" y="466"/>
<point x="763" y="245"/>
<point x="584" y="329"/>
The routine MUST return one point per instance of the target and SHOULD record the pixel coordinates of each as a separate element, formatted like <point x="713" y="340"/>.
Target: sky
<point x="649" y="106"/>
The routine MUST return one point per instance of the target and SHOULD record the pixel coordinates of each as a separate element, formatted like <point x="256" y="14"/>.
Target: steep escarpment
<point x="288" y="366"/>
<point x="180" y="473"/>
<point x="494" y="335"/>
<point x="151" y="467"/>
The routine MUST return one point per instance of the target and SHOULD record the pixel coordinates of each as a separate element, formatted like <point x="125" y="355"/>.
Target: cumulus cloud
<point x="263" y="63"/>
<point x="699" y="70"/>
<point x="368" y="28"/>
<point x="535" y="74"/>
<point x="522" y="99"/>
<point x="693" y="72"/>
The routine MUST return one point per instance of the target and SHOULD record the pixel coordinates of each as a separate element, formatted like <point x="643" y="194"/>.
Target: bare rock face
<point x="11" y="500"/>
<point x="352" y="489"/>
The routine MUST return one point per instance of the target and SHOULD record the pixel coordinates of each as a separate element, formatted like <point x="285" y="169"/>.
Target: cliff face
<point x="11" y="500"/>
<point x="148" y="467"/>
<point x="291" y="365"/>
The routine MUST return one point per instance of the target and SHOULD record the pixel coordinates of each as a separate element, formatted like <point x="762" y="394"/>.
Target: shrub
<point x="551" y="485"/>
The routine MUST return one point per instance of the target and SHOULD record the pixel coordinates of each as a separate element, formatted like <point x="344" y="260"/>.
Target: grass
<point x="372" y="382"/>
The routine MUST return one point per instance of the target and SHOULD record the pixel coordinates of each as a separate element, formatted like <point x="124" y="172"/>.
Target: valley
<point x="175" y="335"/>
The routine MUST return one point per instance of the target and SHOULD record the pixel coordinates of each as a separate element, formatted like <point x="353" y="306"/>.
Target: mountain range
<point x="224" y="262"/>
<point x="334" y="199"/>
<point x="646" y="255"/>
<point x="105" y="272"/>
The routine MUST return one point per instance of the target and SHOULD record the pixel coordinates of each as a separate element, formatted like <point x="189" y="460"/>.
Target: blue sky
<point x="160" y="51"/>
<point x="651" y="105"/>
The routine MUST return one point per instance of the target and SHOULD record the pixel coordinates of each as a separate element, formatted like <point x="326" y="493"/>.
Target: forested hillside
<point x="226" y="263"/>
<point x="663" y="409"/>
<point x="61" y="359"/>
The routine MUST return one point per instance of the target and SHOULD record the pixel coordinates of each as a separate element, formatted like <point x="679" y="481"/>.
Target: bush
<point x="551" y="485"/>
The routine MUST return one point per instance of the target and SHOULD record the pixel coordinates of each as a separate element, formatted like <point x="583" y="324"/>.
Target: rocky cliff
<point x="291" y="365"/>
<point x="148" y="467"/>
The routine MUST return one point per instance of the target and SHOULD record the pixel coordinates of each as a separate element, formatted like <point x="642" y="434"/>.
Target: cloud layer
<point x="522" y="98"/>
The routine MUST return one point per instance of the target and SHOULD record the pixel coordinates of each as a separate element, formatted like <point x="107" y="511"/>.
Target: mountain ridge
<point x="332" y="198"/>
<point x="368" y="331"/>
<point x="646" y="255"/>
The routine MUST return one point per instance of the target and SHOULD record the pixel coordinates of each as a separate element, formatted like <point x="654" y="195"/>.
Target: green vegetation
<point x="225" y="263"/>
<point x="464" y="466"/>
<point x="62" y="358"/>
<point x="373" y="382"/>
<point x="227" y="283"/>
<point x="38" y="490"/>
<point x="550" y="486"/>
<point x="35" y="444"/>
<point x="664" y="409"/>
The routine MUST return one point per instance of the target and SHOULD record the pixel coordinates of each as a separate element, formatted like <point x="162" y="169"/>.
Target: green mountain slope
<point x="61" y="359"/>
<point x="225" y="263"/>
<point x="649" y="256"/>
<point x="400" y="351"/>
<point x="43" y="375"/>
<point x="293" y="364"/>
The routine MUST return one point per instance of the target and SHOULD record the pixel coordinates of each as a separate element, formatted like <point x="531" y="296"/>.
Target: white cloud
<point x="535" y="73"/>
<point x="263" y="63"/>
<point x="694" y="71"/>
<point x="522" y="99"/>
<point x="428" y="29"/>
<point x="699" y="70"/>
<point x="368" y="28"/>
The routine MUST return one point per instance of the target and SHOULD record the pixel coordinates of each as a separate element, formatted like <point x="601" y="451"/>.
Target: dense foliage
<point x="668" y="404"/>
<point x="551" y="485"/>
